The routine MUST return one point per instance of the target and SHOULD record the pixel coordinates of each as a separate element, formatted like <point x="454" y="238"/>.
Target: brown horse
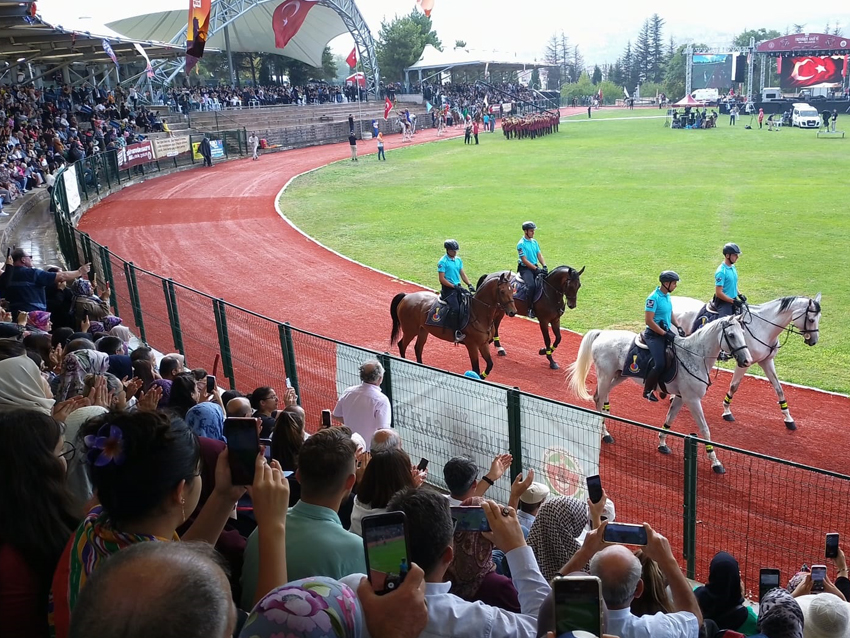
<point x="409" y="312"/>
<point x="562" y="282"/>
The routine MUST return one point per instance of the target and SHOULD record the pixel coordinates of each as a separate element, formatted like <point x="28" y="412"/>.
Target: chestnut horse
<point x="409" y="312"/>
<point x="562" y="282"/>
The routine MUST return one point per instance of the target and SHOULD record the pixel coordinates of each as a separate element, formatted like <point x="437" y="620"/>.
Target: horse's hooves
<point x="791" y="425"/>
<point x="664" y="449"/>
<point x="729" y="417"/>
<point x="718" y="469"/>
<point x="542" y="352"/>
<point x="501" y="353"/>
<point x="608" y="439"/>
<point x="554" y="366"/>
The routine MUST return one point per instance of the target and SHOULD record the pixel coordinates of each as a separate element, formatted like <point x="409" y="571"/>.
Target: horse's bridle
<point x="790" y="328"/>
<point x="502" y="305"/>
<point x="723" y="336"/>
<point x="562" y="307"/>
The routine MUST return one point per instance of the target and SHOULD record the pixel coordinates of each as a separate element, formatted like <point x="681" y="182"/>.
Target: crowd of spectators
<point x="119" y="515"/>
<point x="213" y="98"/>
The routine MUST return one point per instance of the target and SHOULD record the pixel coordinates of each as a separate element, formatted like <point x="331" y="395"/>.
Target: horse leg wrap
<point x="783" y="405"/>
<point x="496" y="340"/>
<point x="606" y="407"/>
<point x="549" y="351"/>
<point x="483" y="375"/>
<point x="709" y="449"/>
<point x="727" y="400"/>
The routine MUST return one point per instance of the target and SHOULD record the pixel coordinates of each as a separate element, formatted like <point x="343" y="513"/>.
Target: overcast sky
<point x="601" y="30"/>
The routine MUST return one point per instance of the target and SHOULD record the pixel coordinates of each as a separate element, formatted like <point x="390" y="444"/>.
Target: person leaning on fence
<point x="461" y="476"/>
<point x="24" y="287"/>
<point x="364" y="408"/>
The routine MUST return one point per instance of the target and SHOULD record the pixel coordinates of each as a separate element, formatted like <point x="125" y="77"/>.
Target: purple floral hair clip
<point x="107" y="447"/>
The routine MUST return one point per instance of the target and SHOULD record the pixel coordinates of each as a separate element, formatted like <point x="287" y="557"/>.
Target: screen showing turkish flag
<point x="811" y="70"/>
<point x="288" y="18"/>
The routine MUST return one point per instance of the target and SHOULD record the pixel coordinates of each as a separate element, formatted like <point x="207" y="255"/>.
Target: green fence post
<point x="173" y="314"/>
<point x="224" y="340"/>
<point x="87" y="254"/>
<point x="107" y="274"/>
<point x="387" y="383"/>
<point x="130" y="272"/>
<point x="515" y="431"/>
<point x="689" y="529"/>
<point x="287" y="349"/>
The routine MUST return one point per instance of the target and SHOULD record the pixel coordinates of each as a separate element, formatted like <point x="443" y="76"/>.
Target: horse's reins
<point x="560" y="303"/>
<point x="503" y="306"/>
<point x="707" y="372"/>
<point x="788" y="329"/>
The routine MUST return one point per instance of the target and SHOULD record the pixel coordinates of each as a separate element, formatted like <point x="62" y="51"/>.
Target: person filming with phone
<point x="620" y="572"/>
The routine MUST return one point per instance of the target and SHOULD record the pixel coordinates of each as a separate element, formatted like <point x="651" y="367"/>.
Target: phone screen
<point x="832" y="545"/>
<point x="210" y="384"/>
<point x="768" y="579"/>
<point x="625" y="534"/>
<point x="326" y="418"/>
<point x="243" y="446"/>
<point x="578" y="606"/>
<point x="385" y="541"/>
<point x="423" y="464"/>
<point x="470" y="519"/>
<point x="594" y="488"/>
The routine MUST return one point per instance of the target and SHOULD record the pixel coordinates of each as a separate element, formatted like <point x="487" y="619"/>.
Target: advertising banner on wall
<point x="72" y="191"/>
<point x="170" y="146"/>
<point x="135" y="154"/>
<point x="216" y="150"/>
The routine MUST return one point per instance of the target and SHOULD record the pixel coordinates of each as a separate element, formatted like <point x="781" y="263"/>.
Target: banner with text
<point x="170" y="146"/>
<point x="135" y="154"/>
<point x="216" y="150"/>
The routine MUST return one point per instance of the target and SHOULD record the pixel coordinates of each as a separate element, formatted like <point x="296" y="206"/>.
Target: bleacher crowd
<point x="119" y="514"/>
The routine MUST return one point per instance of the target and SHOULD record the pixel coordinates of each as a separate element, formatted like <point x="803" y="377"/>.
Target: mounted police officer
<point x="727" y="299"/>
<point x="450" y="271"/>
<point x="531" y="263"/>
<point x="658" y="314"/>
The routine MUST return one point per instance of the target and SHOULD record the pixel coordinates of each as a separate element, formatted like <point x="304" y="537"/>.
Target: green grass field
<point x="387" y="558"/>
<point x="626" y="198"/>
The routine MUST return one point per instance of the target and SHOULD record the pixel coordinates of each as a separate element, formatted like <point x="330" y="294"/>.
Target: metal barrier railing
<point x="765" y="511"/>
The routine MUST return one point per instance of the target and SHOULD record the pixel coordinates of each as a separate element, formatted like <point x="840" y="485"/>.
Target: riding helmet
<point x="451" y="244"/>
<point x="731" y="249"/>
<point x="529" y="226"/>
<point x="668" y="276"/>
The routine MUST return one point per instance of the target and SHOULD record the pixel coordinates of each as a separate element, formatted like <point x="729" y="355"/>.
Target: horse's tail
<point x="578" y="369"/>
<point x="394" y="314"/>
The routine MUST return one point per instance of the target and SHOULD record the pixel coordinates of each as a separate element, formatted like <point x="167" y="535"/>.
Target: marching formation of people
<point x="531" y="126"/>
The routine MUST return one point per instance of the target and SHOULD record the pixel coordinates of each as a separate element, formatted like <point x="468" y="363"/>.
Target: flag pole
<point x="359" y="100"/>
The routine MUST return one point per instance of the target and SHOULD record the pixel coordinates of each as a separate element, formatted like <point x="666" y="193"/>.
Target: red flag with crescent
<point x="426" y="6"/>
<point x="811" y="70"/>
<point x="288" y="18"/>
<point x="351" y="60"/>
<point x="388" y="106"/>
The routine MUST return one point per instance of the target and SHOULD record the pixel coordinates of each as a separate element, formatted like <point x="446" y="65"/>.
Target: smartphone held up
<point x="243" y="446"/>
<point x="768" y="579"/>
<point x="578" y="606"/>
<point x="385" y="541"/>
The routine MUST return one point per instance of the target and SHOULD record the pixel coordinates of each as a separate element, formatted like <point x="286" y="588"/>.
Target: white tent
<point x="250" y="33"/>
<point x="433" y="58"/>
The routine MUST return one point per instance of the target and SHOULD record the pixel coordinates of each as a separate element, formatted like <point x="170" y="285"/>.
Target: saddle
<point x="441" y="315"/>
<point x="519" y="289"/>
<point x="704" y="316"/>
<point x="639" y="361"/>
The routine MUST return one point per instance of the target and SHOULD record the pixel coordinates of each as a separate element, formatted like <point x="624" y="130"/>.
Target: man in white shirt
<point x="620" y="572"/>
<point x="431" y="530"/>
<point x="364" y="408"/>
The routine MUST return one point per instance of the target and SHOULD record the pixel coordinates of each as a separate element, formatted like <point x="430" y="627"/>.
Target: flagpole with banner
<point x="351" y="60"/>
<point x="197" y="32"/>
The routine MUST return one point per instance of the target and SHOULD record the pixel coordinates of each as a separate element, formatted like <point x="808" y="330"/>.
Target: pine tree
<point x="552" y="58"/>
<point x="656" y="67"/>
<point x="596" y="78"/>
<point x="576" y="64"/>
<point x="643" y="53"/>
<point x="564" y="50"/>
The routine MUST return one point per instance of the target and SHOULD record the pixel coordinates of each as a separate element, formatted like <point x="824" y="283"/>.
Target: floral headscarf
<point x="111" y="321"/>
<point x="206" y="419"/>
<point x="554" y="532"/>
<point x="473" y="559"/>
<point x="76" y="366"/>
<point x="39" y="319"/>
<point x="165" y="384"/>
<point x="95" y="327"/>
<point x="316" y="607"/>
<point x="780" y="615"/>
<point x="82" y="288"/>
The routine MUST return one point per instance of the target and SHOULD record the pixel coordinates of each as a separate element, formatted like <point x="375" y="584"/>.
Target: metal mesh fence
<point x="766" y="512"/>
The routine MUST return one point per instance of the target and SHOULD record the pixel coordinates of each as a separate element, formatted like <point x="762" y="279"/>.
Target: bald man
<point x="385" y="440"/>
<point x="167" y="590"/>
<point x="239" y="407"/>
<point x="620" y="572"/>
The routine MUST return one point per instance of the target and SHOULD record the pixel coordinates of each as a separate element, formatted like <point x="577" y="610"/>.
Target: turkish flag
<point x="351" y="60"/>
<point x="426" y="5"/>
<point x="388" y="106"/>
<point x="288" y="18"/>
<point x="811" y="71"/>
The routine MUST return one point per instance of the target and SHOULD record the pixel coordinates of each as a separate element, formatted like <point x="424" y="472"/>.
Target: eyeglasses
<point x="68" y="451"/>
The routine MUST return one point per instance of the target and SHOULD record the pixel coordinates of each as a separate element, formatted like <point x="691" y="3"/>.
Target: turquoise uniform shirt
<point x="451" y="268"/>
<point x="727" y="276"/>
<point x="660" y="305"/>
<point x="316" y="545"/>
<point x="528" y="248"/>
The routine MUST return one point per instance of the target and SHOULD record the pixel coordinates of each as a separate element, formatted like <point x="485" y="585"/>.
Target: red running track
<point x="217" y="230"/>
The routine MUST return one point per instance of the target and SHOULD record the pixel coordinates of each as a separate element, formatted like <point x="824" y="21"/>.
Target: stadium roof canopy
<point x="433" y="58"/>
<point x="250" y="32"/>
<point x="28" y="38"/>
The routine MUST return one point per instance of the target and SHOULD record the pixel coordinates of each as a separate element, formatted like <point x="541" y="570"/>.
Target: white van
<point x="804" y="115"/>
<point x="706" y="95"/>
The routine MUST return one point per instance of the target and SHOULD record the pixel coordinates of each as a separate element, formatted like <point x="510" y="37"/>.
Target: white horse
<point x="608" y="349"/>
<point x="763" y="324"/>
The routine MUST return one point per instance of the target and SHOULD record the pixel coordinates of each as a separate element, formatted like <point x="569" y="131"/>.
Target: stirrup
<point x="650" y="396"/>
<point x="459" y="336"/>
<point x="531" y="314"/>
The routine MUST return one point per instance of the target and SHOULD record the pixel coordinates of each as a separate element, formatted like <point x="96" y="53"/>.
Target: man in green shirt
<point x="316" y="543"/>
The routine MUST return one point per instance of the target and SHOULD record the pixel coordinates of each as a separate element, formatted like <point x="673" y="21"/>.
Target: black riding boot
<point x="649" y="385"/>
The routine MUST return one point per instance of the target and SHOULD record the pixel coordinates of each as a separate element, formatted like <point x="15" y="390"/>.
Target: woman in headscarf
<point x="554" y="532"/>
<point x="780" y="616"/>
<point x="86" y="303"/>
<point x="472" y="571"/>
<point x="316" y="607"/>
<point x="206" y="419"/>
<point x="721" y="599"/>
<point x="75" y="367"/>
<point x="21" y="382"/>
<point x="122" y="332"/>
<point x="38" y="322"/>
<point x="165" y="386"/>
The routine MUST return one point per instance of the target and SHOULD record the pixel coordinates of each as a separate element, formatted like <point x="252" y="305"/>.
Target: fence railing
<point x="765" y="511"/>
